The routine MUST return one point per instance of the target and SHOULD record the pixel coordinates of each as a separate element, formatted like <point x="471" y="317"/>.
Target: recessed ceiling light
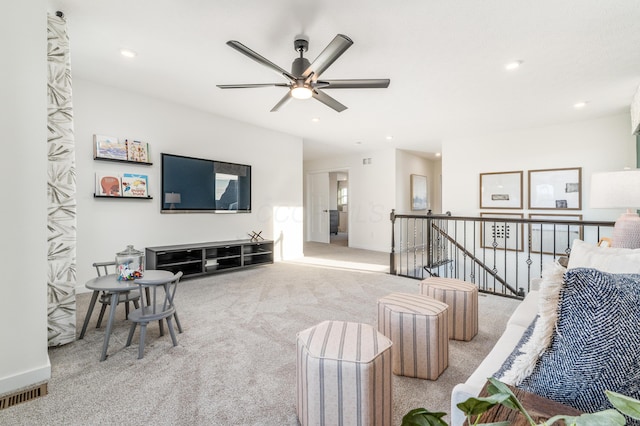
<point x="315" y="119"/>
<point x="438" y="154"/>
<point x="128" y="53"/>
<point x="579" y="105"/>
<point x="513" y="65"/>
<point x="389" y="138"/>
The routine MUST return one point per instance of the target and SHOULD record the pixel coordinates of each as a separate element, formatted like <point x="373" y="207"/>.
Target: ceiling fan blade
<point x="328" y="101"/>
<point x="380" y="83"/>
<point x="285" y="100"/>
<point x="259" y="58"/>
<point x="250" y="86"/>
<point x="337" y="47"/>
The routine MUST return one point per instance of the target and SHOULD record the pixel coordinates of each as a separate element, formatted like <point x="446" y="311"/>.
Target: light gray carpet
<point x="235" y="363"/>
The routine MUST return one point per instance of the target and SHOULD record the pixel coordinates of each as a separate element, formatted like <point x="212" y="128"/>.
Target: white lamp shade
<point x="612" y="190"/>
<point x="635" y="113"/>
<point x="619" y="190"/>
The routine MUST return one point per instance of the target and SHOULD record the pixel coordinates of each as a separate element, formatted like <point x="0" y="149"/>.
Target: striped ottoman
<point x="418" y="327"/>
<point x="343" y="375"/>
<point x="462" y="298"/>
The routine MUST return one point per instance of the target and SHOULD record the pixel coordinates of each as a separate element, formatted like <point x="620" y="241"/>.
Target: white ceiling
<point x="445" y="59"/>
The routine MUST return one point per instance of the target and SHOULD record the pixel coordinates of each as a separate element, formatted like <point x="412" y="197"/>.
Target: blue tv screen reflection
<point x="199" y="185"/>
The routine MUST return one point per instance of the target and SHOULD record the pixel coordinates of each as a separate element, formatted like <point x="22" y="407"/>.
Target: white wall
<point x="23" y="167"/>
<point x="605" y="144"/>
<point x="106" y="226"/>
<point x="408" y="164"/>
<point x="372" y="195"/>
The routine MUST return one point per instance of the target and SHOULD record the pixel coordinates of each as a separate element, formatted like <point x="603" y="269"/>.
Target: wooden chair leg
<point x="143" y="333"/>
<point x="161" y="327"/>
<point x="172" y="332"/>
<point x="175" y="315"/>
<point x="131" y="331"/>
<point x="102" y="311"/>
<point x="126" y="309"/>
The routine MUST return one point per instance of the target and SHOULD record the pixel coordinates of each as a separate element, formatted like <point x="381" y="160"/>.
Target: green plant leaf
<point x="497" y="387"/>
<point x="423" y="417"/>
<point x="478" y="405"/>
<point x="625" y="404"/>
<point x="601" y="418"/>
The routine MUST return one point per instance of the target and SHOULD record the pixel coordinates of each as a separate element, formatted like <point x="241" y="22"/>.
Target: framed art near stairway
<point x="500" y="234"/>
<point x="554" y="238"/>
<point x="555" y="189"/>
<point x="419" y="195"/>
<point x="501" y="190"/>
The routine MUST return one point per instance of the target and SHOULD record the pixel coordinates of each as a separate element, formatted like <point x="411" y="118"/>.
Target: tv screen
<point x="200" y="185"/>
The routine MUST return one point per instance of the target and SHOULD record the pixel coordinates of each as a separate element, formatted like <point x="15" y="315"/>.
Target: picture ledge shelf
<point x="120" y="197"/>
<point x="117" y="160"/>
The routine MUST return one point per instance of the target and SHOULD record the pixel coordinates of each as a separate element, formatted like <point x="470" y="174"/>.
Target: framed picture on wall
<point x="419" y="195"/>
<point x="500" y="234"/>
<point x="555" y="189"/>
<point x="554" y="238"/>
<point x="501" y="190"/>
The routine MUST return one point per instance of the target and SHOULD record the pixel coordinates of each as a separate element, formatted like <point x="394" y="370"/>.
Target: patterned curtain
<point x="61" y="188"/>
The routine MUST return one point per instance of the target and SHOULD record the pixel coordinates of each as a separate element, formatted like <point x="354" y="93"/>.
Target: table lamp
<point x="172" y="198"/>
<point x="619" y="189"/>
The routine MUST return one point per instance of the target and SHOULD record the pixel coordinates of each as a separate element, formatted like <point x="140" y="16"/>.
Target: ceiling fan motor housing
<point x="299" y="66"/>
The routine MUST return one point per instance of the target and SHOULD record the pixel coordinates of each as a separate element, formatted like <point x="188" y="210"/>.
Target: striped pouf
<point x="462" y="298"/>
<point x="417" y="325"/>
<point x="343" y="375"/>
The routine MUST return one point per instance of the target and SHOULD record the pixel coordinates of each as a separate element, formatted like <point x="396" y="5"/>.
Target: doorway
<point x="339" y="220"/>
<point x="328" y="207"/>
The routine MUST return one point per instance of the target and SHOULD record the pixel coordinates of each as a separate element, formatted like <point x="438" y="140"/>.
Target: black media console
<point x="209" y="258"/>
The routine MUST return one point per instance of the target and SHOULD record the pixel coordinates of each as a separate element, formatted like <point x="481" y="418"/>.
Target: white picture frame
<point x="542" y="234"/>
<point x="555" y="189"/>
<point x="419" y="193"/>
<point x="501" y="190"/>
<point x="502" y="235"/>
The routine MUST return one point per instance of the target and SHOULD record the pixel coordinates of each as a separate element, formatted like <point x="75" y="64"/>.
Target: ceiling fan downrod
<point x="299" y="65"/>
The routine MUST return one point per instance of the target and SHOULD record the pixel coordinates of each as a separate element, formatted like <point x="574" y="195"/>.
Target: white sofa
<point x="583" y="255"/>
<point x="519" y="321"/>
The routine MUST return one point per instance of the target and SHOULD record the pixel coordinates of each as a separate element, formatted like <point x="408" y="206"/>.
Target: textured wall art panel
<point x="61" y="188"/>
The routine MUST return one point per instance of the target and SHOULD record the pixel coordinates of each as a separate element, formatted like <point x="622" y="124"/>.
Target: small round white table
<point x="110" y="283"/>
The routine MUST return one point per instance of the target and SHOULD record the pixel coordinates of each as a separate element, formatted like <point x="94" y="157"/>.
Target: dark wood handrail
<point x="475" y="259"/>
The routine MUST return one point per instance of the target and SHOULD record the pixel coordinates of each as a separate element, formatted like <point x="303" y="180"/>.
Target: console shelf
<point x="209" y="258"/>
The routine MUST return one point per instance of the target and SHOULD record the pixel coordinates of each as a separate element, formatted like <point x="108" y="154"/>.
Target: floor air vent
<point x="23" y="396"/>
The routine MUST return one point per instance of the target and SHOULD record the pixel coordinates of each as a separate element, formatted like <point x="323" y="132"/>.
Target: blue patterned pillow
<point x="517" y="351"/>
<point x="596" y="346"/>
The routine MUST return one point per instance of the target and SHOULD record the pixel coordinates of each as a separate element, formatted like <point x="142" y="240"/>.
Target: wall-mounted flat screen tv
<point x="200" y="185"/>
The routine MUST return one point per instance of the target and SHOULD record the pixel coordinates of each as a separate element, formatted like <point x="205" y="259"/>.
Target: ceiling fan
<point x="303" y="81"/>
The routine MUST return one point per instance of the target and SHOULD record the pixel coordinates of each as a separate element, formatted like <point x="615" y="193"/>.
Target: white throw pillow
<point x="605" y="259"/>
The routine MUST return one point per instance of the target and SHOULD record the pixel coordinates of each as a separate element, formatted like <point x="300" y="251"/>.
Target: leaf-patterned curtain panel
<point x="61" y="188"/>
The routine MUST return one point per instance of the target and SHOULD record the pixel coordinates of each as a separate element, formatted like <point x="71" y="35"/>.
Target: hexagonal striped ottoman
<point x="462" y="298"/>
<point x="343" y="375"/>
<point x="418" y="327"/>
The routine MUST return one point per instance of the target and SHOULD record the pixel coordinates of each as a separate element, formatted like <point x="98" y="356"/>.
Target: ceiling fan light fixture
<point x="128" y="53"/>
<point x="301" y="92"/>
<point x="513" y="65"/>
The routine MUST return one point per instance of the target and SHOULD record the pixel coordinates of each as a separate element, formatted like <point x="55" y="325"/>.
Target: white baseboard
<point x="25" y="379"/>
